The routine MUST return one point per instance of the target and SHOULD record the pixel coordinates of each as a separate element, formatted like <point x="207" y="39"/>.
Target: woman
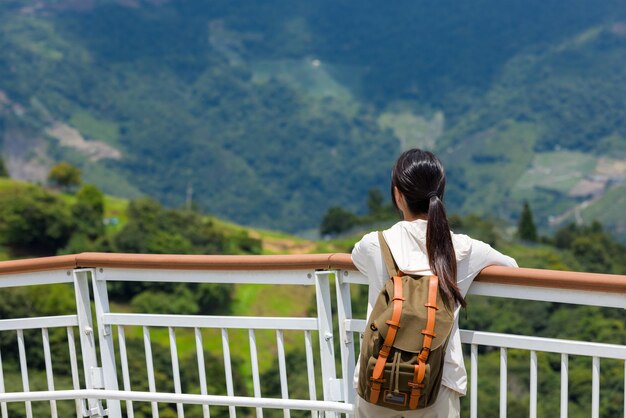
<point x="422" y="244"/>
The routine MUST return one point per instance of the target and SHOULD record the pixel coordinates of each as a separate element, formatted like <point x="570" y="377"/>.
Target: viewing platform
<point x="95" y="337"/>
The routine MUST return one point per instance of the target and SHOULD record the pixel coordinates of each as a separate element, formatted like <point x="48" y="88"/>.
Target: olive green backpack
<point x="404" y="344"/>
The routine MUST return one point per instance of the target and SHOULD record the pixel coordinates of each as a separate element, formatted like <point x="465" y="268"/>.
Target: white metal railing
<point x="349" y="326"/>
<point x="322" y="325"/>
<point x="97" y="391"/>
<point x="19" y="325"/>
<point x="100" y="375"/>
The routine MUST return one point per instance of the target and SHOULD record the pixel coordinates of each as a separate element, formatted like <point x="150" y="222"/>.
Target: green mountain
<point x="267" y="113"/>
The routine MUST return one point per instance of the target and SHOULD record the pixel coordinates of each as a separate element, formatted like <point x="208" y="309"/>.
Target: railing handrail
<point x="31" y="265"/>
<point x="329" y="261"/>
<point x="555" y="279"/>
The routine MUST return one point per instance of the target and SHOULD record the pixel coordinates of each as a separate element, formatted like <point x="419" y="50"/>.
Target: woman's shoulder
<point x="367" y="243"/>
<point x="463" y="245"/>
<point x="364" y="250"/>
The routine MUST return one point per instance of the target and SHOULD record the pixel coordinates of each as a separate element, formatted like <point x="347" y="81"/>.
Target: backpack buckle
<point x="385" y="350"/>
<point x="429" y="333"/>
<point x="380" y="380"/>
<point x="396" y="325"/>
<point x="423" y="355"/>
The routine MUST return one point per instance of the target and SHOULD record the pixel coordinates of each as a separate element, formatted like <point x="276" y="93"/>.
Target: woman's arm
<point x="481" y="256"/>
<point x="367" y="257"/>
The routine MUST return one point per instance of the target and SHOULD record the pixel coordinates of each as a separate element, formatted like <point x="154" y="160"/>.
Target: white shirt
<point x="407" y="241"/>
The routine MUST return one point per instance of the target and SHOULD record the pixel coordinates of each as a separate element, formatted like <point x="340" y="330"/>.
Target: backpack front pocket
<point x="398" y="376"/>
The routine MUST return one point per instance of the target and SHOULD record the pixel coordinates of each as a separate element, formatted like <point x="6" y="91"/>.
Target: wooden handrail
<point x="30" y="265"/>
<point x="555" y="279"/>
<point x="217" y="262"/>
<point x="494" y="274"/>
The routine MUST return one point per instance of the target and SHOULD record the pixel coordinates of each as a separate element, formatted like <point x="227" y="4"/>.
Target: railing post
<point x="533" y="384"/>
<point x="87" y="341"/>
<point x="503" y="381"/>
<point x="474" y="381"/>
<point x="105" y="337"/>
<point x="326" y="338"/>
<point x="344" y="311"/>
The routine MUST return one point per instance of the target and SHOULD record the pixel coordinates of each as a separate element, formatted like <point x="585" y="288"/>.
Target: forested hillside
<point x="271" y="112"/>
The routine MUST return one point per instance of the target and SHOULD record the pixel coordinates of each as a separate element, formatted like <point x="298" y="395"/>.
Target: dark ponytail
<point x="420" y="177"/>
<point x="441" y="256"/>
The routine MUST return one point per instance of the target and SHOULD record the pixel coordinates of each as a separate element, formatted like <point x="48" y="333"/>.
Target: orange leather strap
<point x="429" y="334"/>
<point x="394" y="324"/>
<point x="416" y="385"/>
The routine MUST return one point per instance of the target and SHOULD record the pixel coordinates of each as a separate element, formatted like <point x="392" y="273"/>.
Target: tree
<point x="374" y="202"/>
<point x="3" y="169"/>
<point x="34" y="221"/>
<point x="377" y="209"/>
<point x="88" y="212"/>
<point x="64" y="175"/>
<point x="526" y="228"/>
<point x="154" y="229"/>
<point x="337" y="220"/>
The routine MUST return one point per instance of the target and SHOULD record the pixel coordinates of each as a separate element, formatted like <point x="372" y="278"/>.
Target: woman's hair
<point x="420" y="177"/>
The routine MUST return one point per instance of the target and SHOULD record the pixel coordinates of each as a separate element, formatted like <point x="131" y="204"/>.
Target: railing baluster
<point x="175" y="370"/>
<point x="105" y="340"/>
<point x="503" y="381"/>
<point x="595" y="387"/>
<point x="325" y="335"/>
<point x="344" y="312"/>
<point x="254" y="361"/>
<point x="201" y="371"/>
<point x="49" y="373"/>
<point x="474" y="381"/>
<point x="86" y="335"/>
<point x="125" y="372"/>
<point x="228" y="371"/>
<point x="71" y="343"/>
<point x="533" y="384"/>
<point x="150" y="369"/>
<point x="24" y="369"/>
<point x="282" y="369"/>
<point x="3" y="405"/>
<point x="564" y="384"/>
<point x="310" y="368"/>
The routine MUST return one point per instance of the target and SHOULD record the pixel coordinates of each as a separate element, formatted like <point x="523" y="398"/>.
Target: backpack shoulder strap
<point x="390" y="263"/>
<point x="429" y="333"/>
